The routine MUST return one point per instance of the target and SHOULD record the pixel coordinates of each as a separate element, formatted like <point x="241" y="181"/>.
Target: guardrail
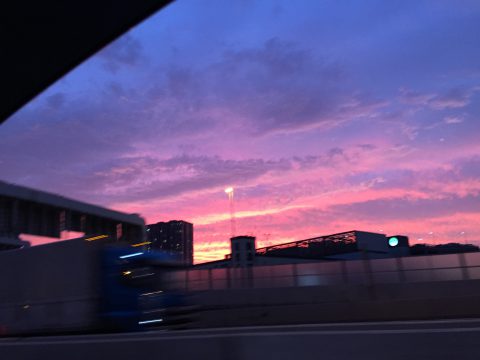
<point x="363" y="272"/>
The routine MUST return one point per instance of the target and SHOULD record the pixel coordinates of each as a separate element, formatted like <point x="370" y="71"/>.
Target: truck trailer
<point x="82" y="285"/>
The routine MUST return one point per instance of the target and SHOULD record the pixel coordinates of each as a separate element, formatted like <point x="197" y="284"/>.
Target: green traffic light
<point x="393" y="241"/>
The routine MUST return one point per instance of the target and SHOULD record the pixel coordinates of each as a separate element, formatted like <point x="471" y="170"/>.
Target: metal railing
<point x="363" y="272"/>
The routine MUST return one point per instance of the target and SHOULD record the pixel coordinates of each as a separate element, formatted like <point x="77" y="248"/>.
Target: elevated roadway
<point x="43" y="40"/>
<point x="29" y="211"/>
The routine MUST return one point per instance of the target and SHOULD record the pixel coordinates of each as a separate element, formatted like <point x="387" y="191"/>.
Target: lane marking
<point x="242" y="329"/>
<point x="345" y="324"/>
<point x="263" y="334"/>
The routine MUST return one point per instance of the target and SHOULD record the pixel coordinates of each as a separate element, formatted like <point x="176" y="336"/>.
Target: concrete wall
<point x="338" y="303"/>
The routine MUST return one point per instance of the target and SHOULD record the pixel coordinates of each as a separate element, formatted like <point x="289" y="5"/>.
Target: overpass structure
<point x="28" y="211"/>
<point x="43" y="40"/>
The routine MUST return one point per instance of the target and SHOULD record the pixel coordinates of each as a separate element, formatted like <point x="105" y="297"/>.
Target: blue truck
<point x="83" y="286"/>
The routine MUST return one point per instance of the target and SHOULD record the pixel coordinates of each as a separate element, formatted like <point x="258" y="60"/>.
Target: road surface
<point x="441" y="339"/>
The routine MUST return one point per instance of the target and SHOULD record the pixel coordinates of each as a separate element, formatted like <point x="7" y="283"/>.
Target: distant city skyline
<point x="324" y="116"/>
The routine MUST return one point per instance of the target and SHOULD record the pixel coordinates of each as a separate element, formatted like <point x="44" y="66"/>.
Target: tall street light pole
<point x="229" y="192"/>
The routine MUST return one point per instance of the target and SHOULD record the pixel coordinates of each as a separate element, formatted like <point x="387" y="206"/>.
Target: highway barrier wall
<point x="380" y="302"/>
<point x="417" y="287"/>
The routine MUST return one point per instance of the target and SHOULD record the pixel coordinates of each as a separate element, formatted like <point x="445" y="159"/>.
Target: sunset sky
<point x="325" y="116"/>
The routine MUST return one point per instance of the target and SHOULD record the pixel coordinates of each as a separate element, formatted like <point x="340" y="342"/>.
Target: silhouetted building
<point x="242" y="250"/>
<point x="174" y="237"/>
<point x="450" y="248"/>
<point x="350" y="245"/>
<point x="243" y="254"/>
